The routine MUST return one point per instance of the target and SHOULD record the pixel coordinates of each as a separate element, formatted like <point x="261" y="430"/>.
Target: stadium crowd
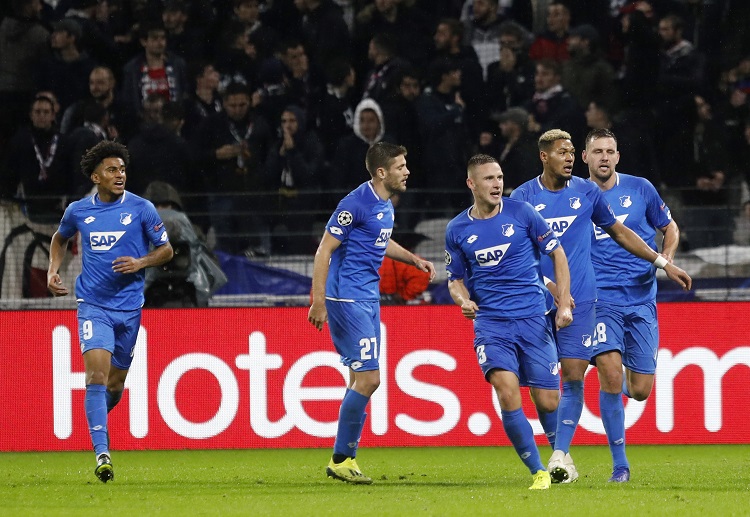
<point x="260" y="112"/>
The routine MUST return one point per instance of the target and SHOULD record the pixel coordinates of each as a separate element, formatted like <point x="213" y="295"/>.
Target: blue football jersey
<point x="569" y="212"/>
<point x="363" y="222"/>
<point x="125" y="227"/>
<point x="498" y="258"/>
<point x="622" y="278"/>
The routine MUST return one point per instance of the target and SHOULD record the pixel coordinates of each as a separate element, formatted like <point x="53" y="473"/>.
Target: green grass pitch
<point x="666" y="480"/>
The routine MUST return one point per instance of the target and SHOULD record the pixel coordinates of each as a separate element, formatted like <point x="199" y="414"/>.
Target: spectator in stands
<point x="681" y="66"/>
<point x="335" y="116"/>
<point x="303" y="79"/>
<point x="444" y="136"/>
<point x="402" y="120"/>
<point x="640" y="68"/>
<point x="401" y="283"/>
<point x="65" y="72"/>
<point x="93" y="131"/>
<point x="552" y="106"/>
<point x="102" y="89"/>
<point x="96" y="36"/>
<point x="510" y="81"/>
<point x="154" y="71"/>
<point x="263" y="38"/>
<point x="587" y="75"/>
<point x="383" y="55"/>
<point x="482" y="32"/>
<point x="204" y="99"/>
<point x="23" y="44"/>
<point x="159" y="153"/>
<point x="519" y="149"/>
<point x="324" y="31"/>
<point x="37" y="166"/>
<point x="230" y="149"/>
<point x="449" y="37"/>
<point x="236" y="57"/>
<point x="184" y="39"/>
<point x="553" y="43"/>
<point x="293" y="170"/>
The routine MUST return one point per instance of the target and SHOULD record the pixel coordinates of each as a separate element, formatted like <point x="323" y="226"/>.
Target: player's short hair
<point x="550" y="137"/>
<point x="101" y="151"/>
<point x="380" y="155"/>
<point x="595" y="134"/>
<point x="480" y="159"/>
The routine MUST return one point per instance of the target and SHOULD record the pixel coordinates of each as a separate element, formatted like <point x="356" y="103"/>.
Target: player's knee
<point x="640" y="393"/>
<point x="96" y="377"/>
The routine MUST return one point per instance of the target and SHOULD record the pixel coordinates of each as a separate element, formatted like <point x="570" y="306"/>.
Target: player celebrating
<point x="357" y="236"/>
<point x="626" y="325"/>
<point x="570" y="204"/>
<point x="116" y="229"/>
<point x="496" y="244"/>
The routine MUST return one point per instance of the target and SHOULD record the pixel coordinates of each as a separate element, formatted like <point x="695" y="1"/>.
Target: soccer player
<point x="116" y="230"/>
<point x="570" y="204"/>
<point x="492" y="253"/>
<point x="626" y="324"/>
<point x="345" y="291"/>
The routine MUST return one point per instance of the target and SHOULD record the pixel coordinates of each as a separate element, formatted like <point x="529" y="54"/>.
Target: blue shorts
<point x="633" y="331"/>
<point x="525" y="347"/>
<point x="114" y="331"/>
<point x="577" y="339"/>
<point x="355" y="330"/>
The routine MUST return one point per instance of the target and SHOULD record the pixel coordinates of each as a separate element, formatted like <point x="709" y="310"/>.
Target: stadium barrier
<point x="265" y="378"/>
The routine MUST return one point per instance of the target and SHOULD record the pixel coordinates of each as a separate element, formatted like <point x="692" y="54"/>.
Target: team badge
<point x="448" y="258"/>
<point x="126" y="219"/>
<point x="625" y="201"/>
<point x="345" y="218"/>
<point x="575" y="203"/>
<point x="508" y="230"/>
<point x="586" y="340"/>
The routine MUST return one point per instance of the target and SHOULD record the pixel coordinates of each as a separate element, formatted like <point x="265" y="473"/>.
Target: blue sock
<point x="519" y="431"/>
<point x="568" y="414"/>
<point x="549" y="424"/>
<point x="613" y="418"/>
<point x="113" y="397"/>
<point x="625" y="390"/>
<point x="351" y="421"/>
<point x="96" y="415"/>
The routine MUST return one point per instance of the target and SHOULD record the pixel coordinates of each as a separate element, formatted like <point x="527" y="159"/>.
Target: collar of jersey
<point x="95" y="196"/>
<point x="500" y="211"/>
<point x="541" y="185"/>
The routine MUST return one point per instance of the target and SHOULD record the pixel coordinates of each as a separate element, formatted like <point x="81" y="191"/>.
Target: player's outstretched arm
<point x="629" y="240"/>
<point x="318" y="315"/>
<point x="563" y="299"/>
<point x="57" y="248"/>
<point x="398" y="252"/>
<point x="671" y="240"/>
<point x="156" y="257"/>
<point x="460" y="295"/>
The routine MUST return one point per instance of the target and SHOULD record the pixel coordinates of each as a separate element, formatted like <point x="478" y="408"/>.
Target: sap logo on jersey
<point x="385" y="235"/>
<point x="560" y="225"/>
<point x="601" y="234"/>
<point x="103" y="241"/>
<point x="491" y="256"/>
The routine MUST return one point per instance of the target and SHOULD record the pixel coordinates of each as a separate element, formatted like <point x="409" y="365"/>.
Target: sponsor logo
<point x="384" y="237"/>
<point x="344" y="218"/>
<point x="544" y="235"/>
<point x="356" y="365"/>
<point x="380" y="216"/>
<point x="575" y="203"/>
<point x="540" y="207"/>
<point x="163" y="237"/>
<point x="90" y="219"/>
<point x="448" y="258"/>
<point x="158" y="227"/>
<point x="625" y="201"/>
<point x="335" y="230"/>
<point x="126" y="219"/>
<point x="103" y="241"/>
<point x="491" y="256"/>
<point x="508" y="230"/>
<point x="560" y="225"/>
<point x="550" y="245"/>
<point x="471" y="239"/>
<point x="601" y="234"/>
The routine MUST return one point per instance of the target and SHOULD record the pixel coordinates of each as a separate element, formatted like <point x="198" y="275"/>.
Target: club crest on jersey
<point x="126" y="219"/>
<point x="385" y="235"/>
<point x="625" y="201"/>
<point x="554" y="368"/>
<point x="471" y="239"/>
<point x="575" y="203"/>
<point x="344" y="218"/>
<point x="90" y="219"/>
<point x="448" y="258"/>
<point x="586" y="340"/>
<point x="508" y="230"/>
<point x="540" y="207"/>
<point x="560" y="225"/>
<point x="103" y="241"/>
<point x="491" y="256"/>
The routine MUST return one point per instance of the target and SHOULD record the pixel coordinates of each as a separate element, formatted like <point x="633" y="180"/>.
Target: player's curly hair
<point x="104" y="149"/>
<point x="550" y="137"/>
